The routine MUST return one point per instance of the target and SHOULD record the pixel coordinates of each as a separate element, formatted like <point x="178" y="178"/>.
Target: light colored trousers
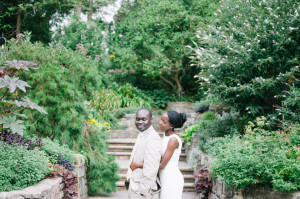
<point x="134" y="195"/>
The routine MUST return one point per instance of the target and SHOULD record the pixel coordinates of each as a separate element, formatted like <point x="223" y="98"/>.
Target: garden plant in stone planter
<point x="25" y="161"/>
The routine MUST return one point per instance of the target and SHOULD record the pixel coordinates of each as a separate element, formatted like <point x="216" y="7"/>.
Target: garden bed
<point x="52" y="188"/>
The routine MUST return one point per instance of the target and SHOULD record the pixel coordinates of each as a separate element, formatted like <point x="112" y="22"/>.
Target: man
<point x="147" y="150"/>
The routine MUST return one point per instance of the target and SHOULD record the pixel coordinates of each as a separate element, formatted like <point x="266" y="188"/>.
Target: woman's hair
<point x="176" y="119"/>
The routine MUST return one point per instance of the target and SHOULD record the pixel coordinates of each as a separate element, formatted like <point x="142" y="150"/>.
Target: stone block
<point x="79" y="160"/>
<point x="81" y="171"/>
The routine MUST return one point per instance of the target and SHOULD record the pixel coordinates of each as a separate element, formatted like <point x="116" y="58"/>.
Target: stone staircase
<point x="121" y="143"/>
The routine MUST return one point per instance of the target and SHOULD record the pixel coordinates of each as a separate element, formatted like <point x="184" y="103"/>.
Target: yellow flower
<point x="112" y="56"/>
<point x="107" y="125"/>
<point x="92" y="121"/>
<point x="160" y="72"/>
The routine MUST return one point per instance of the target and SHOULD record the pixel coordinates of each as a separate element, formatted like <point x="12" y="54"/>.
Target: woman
<point x="170" y="175"/>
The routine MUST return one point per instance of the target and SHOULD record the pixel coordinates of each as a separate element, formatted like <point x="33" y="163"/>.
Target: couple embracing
<point x="152" y="156"/>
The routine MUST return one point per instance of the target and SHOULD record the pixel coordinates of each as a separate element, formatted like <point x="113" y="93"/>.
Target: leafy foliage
<point x="101" y="168"/>
<point x="187" y="133"/>
<point x="56" y="89"/>
<point x="9" y="112"/>
<point x="69" y="180"/>
<point x="151" y="38"/>
<point x="203" y="182"/>
<point x="86" y="34"/>
<point x="119" y="96"/>
<point x="64" y="154"/>
<point x="248" y="52"/>
<point x="160" y="97"/>
<point x="64" y="83"/>
<point x="262" y="157"/>
<point x="15" y="139"/>
<point x="288" y="111"/>
<point x="20" y="167"/>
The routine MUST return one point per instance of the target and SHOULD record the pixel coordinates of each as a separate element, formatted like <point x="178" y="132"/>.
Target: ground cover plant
<point x="262" y="157"/>
<point x="21" y="167"/>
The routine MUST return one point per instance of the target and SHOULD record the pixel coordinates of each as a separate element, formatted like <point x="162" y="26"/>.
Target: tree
<point x="151" y="38"/>
<point x="20" y="16"/>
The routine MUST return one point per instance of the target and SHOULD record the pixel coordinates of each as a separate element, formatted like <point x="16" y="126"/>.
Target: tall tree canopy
<point x="151" y="38"/>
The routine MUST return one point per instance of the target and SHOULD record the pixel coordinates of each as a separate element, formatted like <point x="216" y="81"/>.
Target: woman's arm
<point x="172" y="145"/>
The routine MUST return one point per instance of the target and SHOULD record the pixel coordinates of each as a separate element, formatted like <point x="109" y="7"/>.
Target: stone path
<point x="124" y="195"/>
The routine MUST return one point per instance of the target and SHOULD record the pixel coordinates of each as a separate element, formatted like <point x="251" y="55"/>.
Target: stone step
<point x="123" y="142"/>
<point x="187" y="187"/>
<point x="126" y="155"/>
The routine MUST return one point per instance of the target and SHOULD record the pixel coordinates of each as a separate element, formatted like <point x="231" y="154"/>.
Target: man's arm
<point x="151" y="165"/>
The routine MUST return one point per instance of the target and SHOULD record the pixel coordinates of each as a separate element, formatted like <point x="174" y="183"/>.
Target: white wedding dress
<point x="170" y="177"/>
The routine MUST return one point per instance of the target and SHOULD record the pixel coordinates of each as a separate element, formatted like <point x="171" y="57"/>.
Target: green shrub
<point x="119" y="96"/>
<point x="262" y="157"/>
<point x="213" y="125"/>
<point x="78" y="32"/>
<point x="160" y="97"/>
<point x="288" y="111"/>
<point x="64" y="81"/>
<point x="54" y="147"/>
<point x="101" y="168"/>
<point x="187" y="133"/>
<point x="20" y="168"/>
<point x="248" y="52"/>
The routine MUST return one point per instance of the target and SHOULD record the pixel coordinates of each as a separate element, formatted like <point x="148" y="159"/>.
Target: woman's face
<point x="164" y="124"/>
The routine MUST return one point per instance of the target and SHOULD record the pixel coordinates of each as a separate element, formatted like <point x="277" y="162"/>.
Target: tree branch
<point x="167" y="81"/>
<point x="4" y="94"/>
<point x="13" y="112"/>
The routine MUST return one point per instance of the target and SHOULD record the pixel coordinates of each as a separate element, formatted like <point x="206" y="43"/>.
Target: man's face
<point x="143" y="120"/>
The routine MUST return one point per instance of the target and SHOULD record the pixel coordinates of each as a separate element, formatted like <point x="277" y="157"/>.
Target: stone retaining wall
<point x="52" y="188"/>
<point x="220" y="191"/>
<point x="80" y="170"/>
<point x="46" y="189"/>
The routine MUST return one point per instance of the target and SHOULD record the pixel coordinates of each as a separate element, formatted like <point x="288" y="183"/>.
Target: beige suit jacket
<point x="148" y="151"/>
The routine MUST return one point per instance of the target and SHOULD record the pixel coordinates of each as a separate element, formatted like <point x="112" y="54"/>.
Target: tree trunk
<point x="177" y="80"/>
<point x="18" y="30"/>
<point x="168" y="82"/>
<point x="90" y="14"/>
<point x="78" y="9"/>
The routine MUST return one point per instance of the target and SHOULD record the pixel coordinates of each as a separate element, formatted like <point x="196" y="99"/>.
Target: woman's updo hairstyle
<point x="176" y="119"/>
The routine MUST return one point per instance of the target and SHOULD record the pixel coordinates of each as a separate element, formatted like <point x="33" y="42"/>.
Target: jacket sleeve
<point x="151" y="164"/>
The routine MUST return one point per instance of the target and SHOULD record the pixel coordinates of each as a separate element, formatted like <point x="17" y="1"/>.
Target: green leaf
<point x="13" y="83"/>
<point x="12" y="123"/>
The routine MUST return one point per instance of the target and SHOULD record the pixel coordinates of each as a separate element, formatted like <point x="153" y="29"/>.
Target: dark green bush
<point x="20" y="168"/>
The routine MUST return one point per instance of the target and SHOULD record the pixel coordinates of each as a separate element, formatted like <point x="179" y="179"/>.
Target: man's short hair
<point x="145" y="109"/>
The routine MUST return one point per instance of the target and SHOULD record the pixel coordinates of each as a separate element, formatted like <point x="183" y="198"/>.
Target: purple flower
<point x="278" y="109"/>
